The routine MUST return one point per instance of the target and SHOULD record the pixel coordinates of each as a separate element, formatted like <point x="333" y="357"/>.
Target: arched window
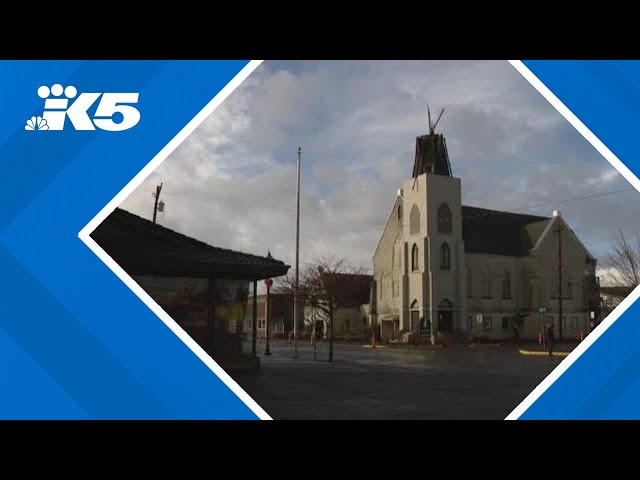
<point x="469" y="284"/>
<point x="506" y="285"/>
<point x="445" y="257"/>
<point x="399" y="213"/>
<point x="414" y="258"/>
<point x="395" y="260"/>
<point x="486" y="284"/>
<point x="414" y="315"/>
<point x="445" y="304"/>
<point x="414" y="220"/>
<point x="445" y="224"/>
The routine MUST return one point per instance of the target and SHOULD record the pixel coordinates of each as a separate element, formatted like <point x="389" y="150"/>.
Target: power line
<point x="206" y="197"/>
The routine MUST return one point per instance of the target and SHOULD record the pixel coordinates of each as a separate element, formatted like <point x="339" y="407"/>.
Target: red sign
<point x="268" y="282"/>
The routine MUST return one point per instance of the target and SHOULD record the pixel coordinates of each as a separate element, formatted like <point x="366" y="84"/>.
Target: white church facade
<point x="443" y="268"/>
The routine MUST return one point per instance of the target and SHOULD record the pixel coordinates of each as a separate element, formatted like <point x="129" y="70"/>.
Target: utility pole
<point x="295" y="291"/>
<point x="156" y="195"/>
<point x="559" y="279"/>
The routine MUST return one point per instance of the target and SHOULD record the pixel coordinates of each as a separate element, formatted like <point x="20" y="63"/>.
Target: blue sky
<point x="232" y="182"/>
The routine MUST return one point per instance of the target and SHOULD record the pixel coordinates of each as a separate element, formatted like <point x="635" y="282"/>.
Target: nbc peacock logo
<point x="36" y="123"/>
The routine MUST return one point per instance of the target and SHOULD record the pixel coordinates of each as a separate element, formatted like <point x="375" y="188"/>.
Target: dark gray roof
<point x="500" y="233"/>
<point x="616" y="291"/>
<point x="349" y="289"/>
<point x="145" y="247"/>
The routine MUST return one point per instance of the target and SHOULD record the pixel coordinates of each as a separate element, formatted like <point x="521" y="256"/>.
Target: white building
<point x="439" y="263"/>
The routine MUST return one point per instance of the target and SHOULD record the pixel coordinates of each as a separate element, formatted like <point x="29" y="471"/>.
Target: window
<point x="574" y="323"/>
<point x="487" y="323"/>
<point x="548" y="320"/>
<point x="505" y="323"/>
<point x="385" y="285"/>
<point x="469" y="323"/>
<point x="506" y="285"/>
<point x="399" y="213"/>
<point x="414" y="258"/>
<point x="414" y="314"/>
<point x="469" y="284"/>
<point x="394" y="288"/>
<point x="445" y="257"/>
<point x="395" y="260"/>
<point x="414" y="220"/>
<point x="445" y="304"/>
<point x="444" y="219"/>
<point x="567" y="286"/>
<point x="486" y="284"/>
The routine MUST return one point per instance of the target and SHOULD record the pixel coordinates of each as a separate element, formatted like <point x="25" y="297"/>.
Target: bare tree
<point x="624" y="260"/>
<point x="322" y="284"/>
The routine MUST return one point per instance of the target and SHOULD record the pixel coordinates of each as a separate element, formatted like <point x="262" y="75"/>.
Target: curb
<point x="538" y="353"/>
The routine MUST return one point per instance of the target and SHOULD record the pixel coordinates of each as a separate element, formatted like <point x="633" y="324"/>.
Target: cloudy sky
<point x="232" y="182"/>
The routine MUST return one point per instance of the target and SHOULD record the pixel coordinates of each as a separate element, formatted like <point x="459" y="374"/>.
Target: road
<point x="393" y="382"/>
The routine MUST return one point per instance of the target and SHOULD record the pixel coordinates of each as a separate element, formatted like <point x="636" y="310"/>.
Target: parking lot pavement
<point x="391" y="382"/>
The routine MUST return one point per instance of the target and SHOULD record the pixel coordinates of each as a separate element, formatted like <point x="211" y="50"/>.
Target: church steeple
<point x="431" y="152"/>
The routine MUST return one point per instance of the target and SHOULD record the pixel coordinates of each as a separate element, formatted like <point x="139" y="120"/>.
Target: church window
<point x="414" y="220"/>
<point x="399" y="213"/>
<point x="445" y="257"/>
<point x="486" y="284"/>
<point x="506" y="285"/>
<point x="445" y="224"/>
<point x="397" y="250"/>
<point x="414" y="258"/>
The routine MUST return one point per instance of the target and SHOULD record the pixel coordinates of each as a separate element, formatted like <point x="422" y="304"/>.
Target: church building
<point x="443" y="269"/>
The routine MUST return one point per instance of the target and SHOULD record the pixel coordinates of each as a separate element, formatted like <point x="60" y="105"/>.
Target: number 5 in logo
<point x="112" y="103"/>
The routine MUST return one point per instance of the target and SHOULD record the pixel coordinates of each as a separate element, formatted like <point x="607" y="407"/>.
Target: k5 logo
<point x="57" y="109"/>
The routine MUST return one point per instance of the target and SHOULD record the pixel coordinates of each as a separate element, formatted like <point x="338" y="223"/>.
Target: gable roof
<point x="351" y="290"/>
<point x="616" y="291"/>
<point x="500" y="233"/>
<point x="143" y="247"/>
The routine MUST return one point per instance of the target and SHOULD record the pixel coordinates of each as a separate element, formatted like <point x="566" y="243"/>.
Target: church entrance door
<point x="445" y="316"/>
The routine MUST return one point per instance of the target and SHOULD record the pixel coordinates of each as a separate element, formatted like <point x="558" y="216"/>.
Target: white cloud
<point x="232" y="183"/>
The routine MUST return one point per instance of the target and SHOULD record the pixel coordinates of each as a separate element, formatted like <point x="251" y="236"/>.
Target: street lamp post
<point x="267" y="315"/>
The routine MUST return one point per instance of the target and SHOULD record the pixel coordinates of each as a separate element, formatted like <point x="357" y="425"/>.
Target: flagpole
<point x="295" y="292"/>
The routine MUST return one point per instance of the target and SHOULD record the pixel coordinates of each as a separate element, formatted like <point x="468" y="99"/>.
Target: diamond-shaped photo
<point x="383" y="239"/>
